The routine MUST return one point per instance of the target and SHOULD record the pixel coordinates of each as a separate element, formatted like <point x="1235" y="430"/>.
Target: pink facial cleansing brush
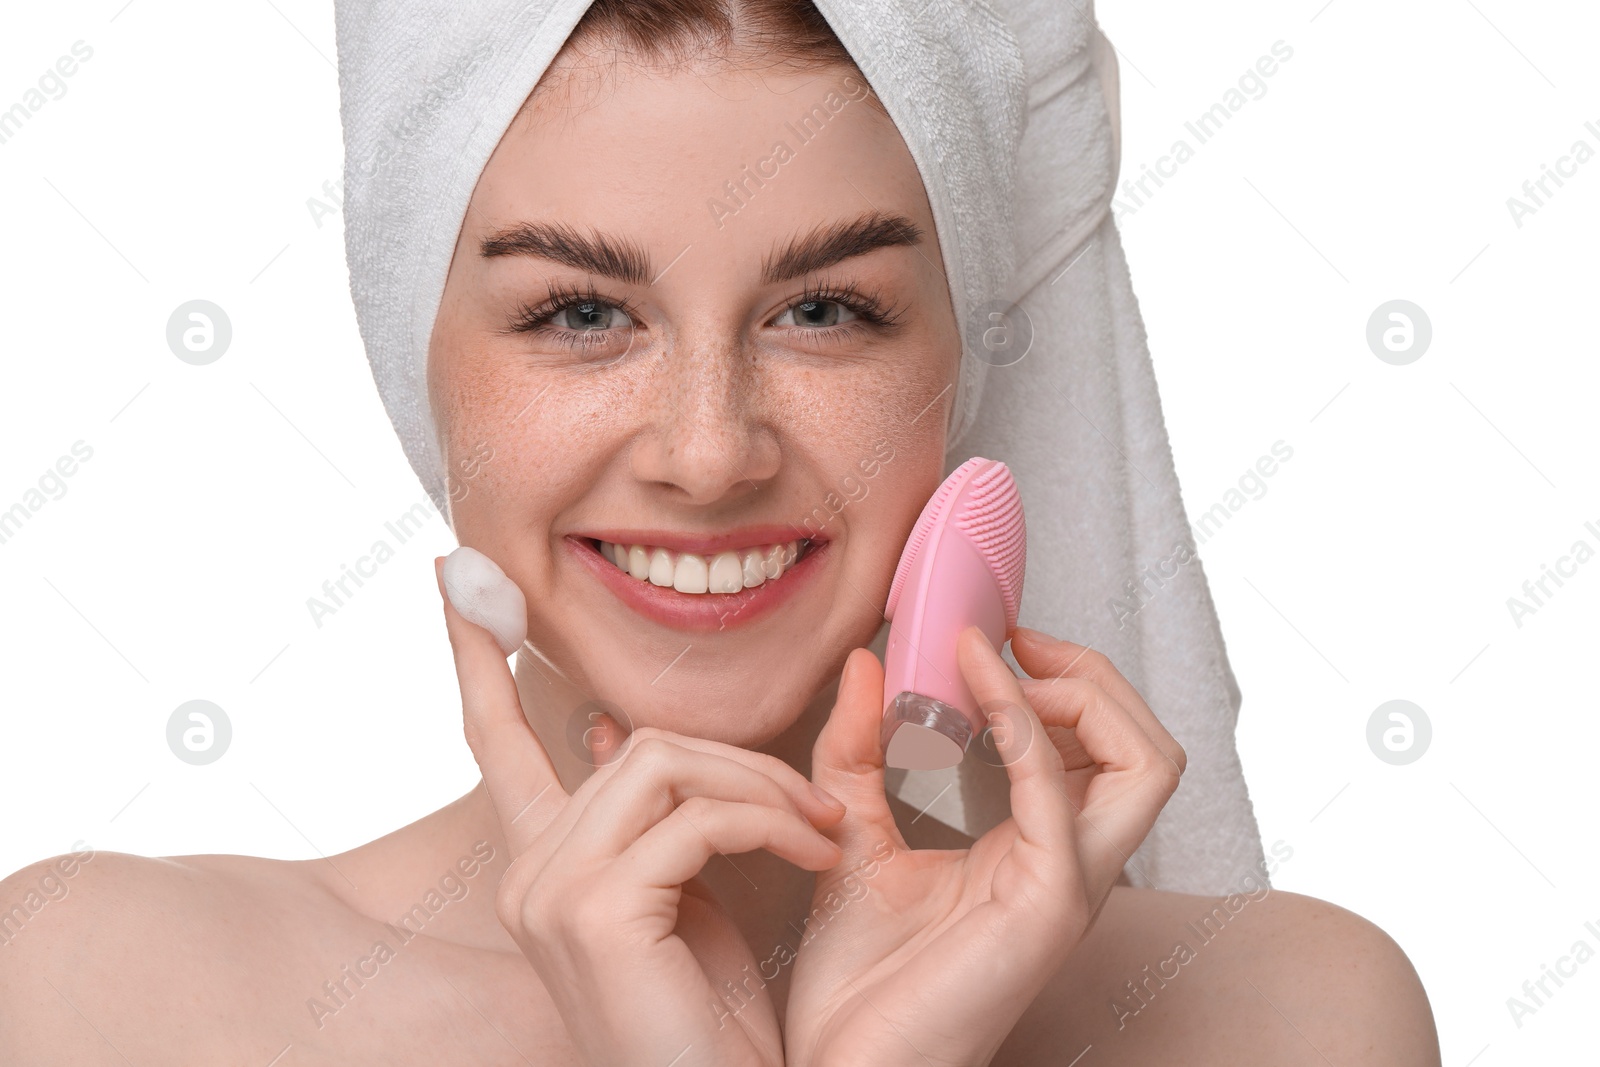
<point x="961" y="567"/>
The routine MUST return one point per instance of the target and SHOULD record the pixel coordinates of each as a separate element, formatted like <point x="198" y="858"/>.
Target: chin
<point x="748" y="710"/>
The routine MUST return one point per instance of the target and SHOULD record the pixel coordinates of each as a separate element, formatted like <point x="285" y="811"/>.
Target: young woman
<point x="614" y="365"/>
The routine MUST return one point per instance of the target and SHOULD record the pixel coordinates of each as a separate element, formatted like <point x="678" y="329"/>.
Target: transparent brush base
<point x="924" y="734"/>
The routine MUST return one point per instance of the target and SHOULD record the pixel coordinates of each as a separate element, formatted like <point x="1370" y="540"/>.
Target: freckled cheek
<point x="876" y="444"/>
<point x="546" y="444"/>
<point x="847" y="417"/>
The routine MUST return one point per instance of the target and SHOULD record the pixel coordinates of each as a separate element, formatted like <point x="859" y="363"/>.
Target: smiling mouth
<point x="716" y="574"/>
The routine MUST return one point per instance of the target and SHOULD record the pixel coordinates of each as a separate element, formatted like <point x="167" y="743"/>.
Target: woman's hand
<point x="603" y="892"/>
<point x="941" y="953"/>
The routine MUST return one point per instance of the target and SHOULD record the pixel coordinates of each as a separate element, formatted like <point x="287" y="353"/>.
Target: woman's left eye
<point x="815" y="313"/>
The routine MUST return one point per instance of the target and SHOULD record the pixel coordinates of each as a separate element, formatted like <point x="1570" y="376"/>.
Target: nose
<point x="708" y="436"/>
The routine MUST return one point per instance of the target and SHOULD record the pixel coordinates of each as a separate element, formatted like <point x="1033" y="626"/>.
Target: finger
<point x="610" y="744"/>
<point x="1044" y="656"/>
<point x="517" y="772"/>
<point x="675" y="849"/>
<point x="1134" y="779"/>
<point x="1039" y="801"/>
<point x="795" y="784"/>
<point x="847" y="757"/>
<point x="656" y="776"/>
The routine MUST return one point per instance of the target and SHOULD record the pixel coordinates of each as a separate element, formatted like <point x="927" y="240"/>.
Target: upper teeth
<point x="687" y="572"/>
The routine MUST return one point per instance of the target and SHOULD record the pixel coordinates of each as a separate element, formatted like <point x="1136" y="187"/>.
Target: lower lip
<point x="699" y="612"/>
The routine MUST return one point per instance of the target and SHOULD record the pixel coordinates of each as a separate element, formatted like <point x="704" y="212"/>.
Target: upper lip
<point x="705" y="544"/>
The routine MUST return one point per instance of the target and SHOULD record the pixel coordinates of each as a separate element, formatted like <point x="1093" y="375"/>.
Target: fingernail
<point x="1031" y="634"/>
<point x="826" y="797"/>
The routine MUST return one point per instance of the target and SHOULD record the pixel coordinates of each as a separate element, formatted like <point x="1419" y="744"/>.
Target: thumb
<point x="847" y="758"/>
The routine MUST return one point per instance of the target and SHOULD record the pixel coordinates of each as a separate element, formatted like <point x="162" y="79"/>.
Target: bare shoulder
<point x="104" y="954"/>
<point x="1269" y="977"/>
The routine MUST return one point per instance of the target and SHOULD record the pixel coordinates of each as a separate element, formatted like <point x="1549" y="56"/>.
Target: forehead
<point x="696" y="151"/>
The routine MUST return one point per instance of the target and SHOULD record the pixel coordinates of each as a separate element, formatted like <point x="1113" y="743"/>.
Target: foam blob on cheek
<point x="482" y="593"/>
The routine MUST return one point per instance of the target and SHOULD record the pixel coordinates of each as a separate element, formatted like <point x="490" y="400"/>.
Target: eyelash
<point x="870" y="311"/>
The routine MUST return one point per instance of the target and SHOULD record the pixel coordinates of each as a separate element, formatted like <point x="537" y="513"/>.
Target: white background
<point x="178" y="165"/>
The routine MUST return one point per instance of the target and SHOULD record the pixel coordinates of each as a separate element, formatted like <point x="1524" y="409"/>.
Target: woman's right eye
<point x="576" y="318"/>
<point x="579" y="324"/>
<point x="590" y="315"/>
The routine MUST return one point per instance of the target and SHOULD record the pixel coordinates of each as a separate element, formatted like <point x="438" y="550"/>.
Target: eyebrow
<point x="827" y="245"/>
<point x="596" y="253"/>
<point x="619" y="258"/>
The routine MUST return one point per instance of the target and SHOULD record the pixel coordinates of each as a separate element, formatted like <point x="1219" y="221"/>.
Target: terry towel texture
<point x="1010" y="110"/>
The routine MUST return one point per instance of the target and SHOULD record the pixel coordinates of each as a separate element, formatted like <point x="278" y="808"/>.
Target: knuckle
<point x="1180" y="757"/>
<point x="1093" y="663"/>
<point x="1165" y="771"/>
<point x="525" y="914"/>
<point x="697" y="809"/>
<point x="1051" y="694"/>
<point x="517" y="906"/>
<point x="648" y="755"/>
<point x="1085" y="695"/>
<point x="1099" y="694"/>
<point x="550" y="912"/>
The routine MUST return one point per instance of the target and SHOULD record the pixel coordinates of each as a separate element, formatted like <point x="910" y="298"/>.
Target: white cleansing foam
<point x="482" y="593"/>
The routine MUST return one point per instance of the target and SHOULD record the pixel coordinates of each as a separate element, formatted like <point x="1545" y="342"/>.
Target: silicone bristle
<point x="991" y="517"/>
<point x="925" y="522"/>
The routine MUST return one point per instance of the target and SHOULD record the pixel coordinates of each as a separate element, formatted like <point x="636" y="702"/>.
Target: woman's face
<point x="702" y="312"/>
